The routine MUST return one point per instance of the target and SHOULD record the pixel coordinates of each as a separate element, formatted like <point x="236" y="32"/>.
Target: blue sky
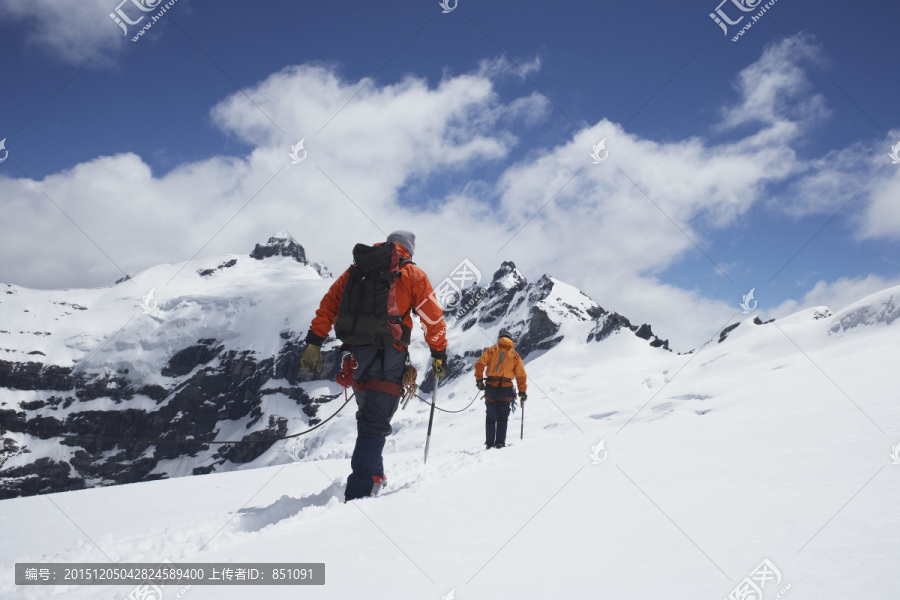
<point x="172" y="114"/>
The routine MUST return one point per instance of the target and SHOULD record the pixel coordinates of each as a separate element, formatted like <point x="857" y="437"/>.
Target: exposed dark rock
<point x="188" y="416"/>
<point x="35" y="376"/>
<point x="112" y="470"/>
<point x="612" y="323"/>
<point x="309" y="406"/>
<point x="185" y="361"/>
<point x="539" y="334"/>
<point x="645" y="332"/>
<point x="469" y="299"/>
<point x="155" y="392"/>
<point x="658" y="343"/>
<point x="72" y="305"/>
<point x="254" y="444"/>
<point x="11" y="420"/>
<point x="8" y="448"/>
<point x="280" y="245"/>
<point x="724" y="333"/>
<point x="501" y="293"/>
<point x="224" y="265"/>
<point x="109" y="385"/>
<point x="43" y="476"/>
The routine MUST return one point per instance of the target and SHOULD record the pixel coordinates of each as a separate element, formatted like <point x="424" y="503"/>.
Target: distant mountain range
<point x="210" y="350"/>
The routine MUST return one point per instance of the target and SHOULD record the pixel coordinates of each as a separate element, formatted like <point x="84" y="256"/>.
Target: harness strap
<point x="379" y="385"/>
<point x="498" y="379"/>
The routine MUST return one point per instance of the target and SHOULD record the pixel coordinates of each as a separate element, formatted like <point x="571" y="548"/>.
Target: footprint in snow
<point x="257" y="517"/>
<point x="603" y="416"/>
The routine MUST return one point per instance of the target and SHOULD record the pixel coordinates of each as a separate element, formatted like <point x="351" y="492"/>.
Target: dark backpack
<point x="368" y="313"/>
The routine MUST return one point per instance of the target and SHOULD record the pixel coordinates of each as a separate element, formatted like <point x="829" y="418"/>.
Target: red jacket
<point x="413" y="291"/>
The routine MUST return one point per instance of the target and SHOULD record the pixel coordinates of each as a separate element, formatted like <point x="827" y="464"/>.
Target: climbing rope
<point x="428" y="402"/>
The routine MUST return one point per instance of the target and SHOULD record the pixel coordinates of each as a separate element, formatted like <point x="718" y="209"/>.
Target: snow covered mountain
<point x="540" y="316"/>
<point x="641" y="473"/>
<point x="209" y="351"/>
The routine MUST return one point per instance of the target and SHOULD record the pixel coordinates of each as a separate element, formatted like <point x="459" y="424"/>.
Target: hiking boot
<point x="499" y="445"/>
<point x="488" y="445"/>
<point x="379" y="482"/>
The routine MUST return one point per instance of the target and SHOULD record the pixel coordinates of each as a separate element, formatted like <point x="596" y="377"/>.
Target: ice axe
<point x="431" y="417"/>
<point x="522" y="429"/>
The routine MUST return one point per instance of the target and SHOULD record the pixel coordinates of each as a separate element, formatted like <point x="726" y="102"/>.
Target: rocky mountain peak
<point x="509" y="277"/>
<point x="507" y="268"/>
<point x="280" y="244"/>
<point x="283" y="244"/>
<point x="609" y="323"/>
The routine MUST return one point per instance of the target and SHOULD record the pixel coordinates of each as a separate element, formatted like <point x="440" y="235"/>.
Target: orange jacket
<point x="501" y="361"/>
<point x="413" y="291"/>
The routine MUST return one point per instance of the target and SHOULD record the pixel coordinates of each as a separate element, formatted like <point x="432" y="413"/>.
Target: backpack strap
<point x="407" y="333"/>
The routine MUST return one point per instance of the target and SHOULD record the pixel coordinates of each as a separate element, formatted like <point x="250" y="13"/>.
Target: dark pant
<point x="495" y="424"/>
<point x="373" y="417"/>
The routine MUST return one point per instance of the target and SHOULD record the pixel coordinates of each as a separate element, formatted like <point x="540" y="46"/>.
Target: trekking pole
<point x="522" y="430"/>
<point x="431" y="417"/>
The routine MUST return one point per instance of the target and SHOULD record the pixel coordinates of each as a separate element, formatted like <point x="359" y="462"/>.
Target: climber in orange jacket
<point x="413" y="291"/>
<point x="370" y="308"/>
<point x="501" y="364"/>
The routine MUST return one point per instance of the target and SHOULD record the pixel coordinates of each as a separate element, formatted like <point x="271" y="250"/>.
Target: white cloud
<point x="773" y="90"/>
<point x="495" y="67"/>
<point x="74" y="31"/>
<point x="773" y="94"/>
<point x="371" y="147"/>
<point x="830" y="182"/>
<point x="376" y="144"/>
<point x="859" y="181"/>
<point x="881" y="217"/>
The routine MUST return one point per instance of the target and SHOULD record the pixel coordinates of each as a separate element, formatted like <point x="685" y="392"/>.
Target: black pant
<point x="373" y="417"/>
<point x="495" y="424"/>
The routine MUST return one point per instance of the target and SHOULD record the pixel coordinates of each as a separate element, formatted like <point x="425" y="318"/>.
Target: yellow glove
<point x="440" y="371"/>
<point x="311" y="361"/>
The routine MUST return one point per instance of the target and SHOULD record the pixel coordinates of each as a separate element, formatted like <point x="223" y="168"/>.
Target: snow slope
<point x="209" y="350"/>
<point x="773" y="444"/>
<point x="198" y="306"/>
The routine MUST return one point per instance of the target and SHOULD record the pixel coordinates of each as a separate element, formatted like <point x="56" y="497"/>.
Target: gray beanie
<point x="407" y="239"/>
<point x="504" y="333"/>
